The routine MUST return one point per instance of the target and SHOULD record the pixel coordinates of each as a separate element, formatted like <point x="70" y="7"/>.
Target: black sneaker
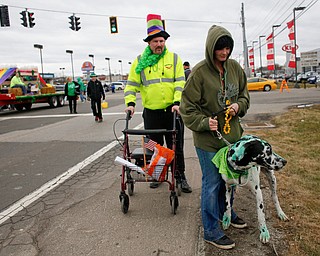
<point x="155" y="184"/>
<point x="238" y="223"/>
<point x="223" y="243"/>
<point x="185" y="188"/>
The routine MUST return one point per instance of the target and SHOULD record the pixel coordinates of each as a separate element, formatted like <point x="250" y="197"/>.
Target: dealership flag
<point x="270" y="53"/>
<point x="251" y="59"/>
<point x="292" y="62"/>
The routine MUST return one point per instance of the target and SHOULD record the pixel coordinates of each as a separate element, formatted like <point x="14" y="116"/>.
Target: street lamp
<point x="295" y="42"/>
<point x="274" y="51"/>
<point x="71" y="52"/>
<point x="108" y="59"/>
<point x="62" y="70"/>
<point x="40" y="47"/>
<point x="260" y="53"/>
<point x="92" y="56"/>
<point x="254" y="70"/>
<point x="121" y="68"/>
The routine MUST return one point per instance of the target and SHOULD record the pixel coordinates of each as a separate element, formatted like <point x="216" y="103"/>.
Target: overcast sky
<point x="187" y="21"/>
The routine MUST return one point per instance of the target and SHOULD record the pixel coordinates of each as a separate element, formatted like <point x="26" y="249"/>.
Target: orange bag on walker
<point x="159" y="162"/>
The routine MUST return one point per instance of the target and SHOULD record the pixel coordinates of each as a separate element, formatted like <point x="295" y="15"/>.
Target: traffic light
<point x="24" y="18"/>
<point x="31" y="19"/>
<point x="113" y="25"/>
<point x="77" y="23"/>
<point x="164" y="25"/>
<point x="72" y="22"/>
<point x="4" y="16"/>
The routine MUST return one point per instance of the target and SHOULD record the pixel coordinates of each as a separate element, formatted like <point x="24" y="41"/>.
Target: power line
<point x="120" y="16"/>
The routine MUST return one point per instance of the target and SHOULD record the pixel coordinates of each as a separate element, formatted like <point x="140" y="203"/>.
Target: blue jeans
<point x="212" y="196"/>
<point x="82" y="96"/>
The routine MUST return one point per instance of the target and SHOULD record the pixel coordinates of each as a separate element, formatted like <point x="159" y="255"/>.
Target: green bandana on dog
<point x="148" y="59"/>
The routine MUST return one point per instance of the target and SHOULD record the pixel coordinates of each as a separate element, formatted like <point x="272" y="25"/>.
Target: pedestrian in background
<point x="158" y="75"/>
<point x="72" y="90"/>
<point x="82" y="90"/>
<point x="95" y="92"/>
<point x="215" y="83"/>
<point x="187" y="70"/>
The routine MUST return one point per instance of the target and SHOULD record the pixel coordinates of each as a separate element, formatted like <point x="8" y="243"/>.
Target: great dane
<point x="240" y="164"/>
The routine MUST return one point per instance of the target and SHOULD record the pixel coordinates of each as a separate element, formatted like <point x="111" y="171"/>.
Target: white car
<point x="118" y="85"/>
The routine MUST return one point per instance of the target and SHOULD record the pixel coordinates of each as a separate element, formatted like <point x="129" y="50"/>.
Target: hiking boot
<point x="238" y="223"/>
<point x="185" y="188"/>
<point x="155" y="184"/>
<point x="223" y="243"/>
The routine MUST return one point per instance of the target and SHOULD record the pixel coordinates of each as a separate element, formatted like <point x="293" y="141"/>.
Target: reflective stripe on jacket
<point x="160" y="85"/>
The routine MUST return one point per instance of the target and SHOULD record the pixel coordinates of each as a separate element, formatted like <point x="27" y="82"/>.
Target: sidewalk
<point x="84" y="217"/>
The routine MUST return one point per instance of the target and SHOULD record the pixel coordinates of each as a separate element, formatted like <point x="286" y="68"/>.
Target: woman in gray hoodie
<point x="215" y="83"/>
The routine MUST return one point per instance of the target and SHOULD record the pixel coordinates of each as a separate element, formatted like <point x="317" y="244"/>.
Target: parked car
<point x="118" y="85"/>
<point x="124" y="82"/>
<point x="106" y="87"/>
<point x="312" y="79"/>
<point x="261" y="84"/>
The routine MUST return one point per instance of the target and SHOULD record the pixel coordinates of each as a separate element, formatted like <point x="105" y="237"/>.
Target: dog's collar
<point x="240" y="172"/>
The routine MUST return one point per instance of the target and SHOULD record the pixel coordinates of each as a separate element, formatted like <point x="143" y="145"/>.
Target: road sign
<point x="287" y="47"/>
<point x="87" y="66"/>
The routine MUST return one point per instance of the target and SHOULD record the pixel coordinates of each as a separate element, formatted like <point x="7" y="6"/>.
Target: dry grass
<point x="297" y="138"/>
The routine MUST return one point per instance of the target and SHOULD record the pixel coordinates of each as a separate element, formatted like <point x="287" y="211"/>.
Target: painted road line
<point x="62" y="115"/>
<point x="47" y="187"/>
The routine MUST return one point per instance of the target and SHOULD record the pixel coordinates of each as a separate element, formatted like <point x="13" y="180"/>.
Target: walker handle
<point x="128" y="117"/>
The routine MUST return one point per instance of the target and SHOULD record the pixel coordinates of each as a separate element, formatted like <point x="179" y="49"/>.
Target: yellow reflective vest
<point x="160" y="85"/>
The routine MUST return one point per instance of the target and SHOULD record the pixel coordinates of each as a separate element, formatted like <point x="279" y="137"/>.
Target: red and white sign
<point x="292" y="62"/>
<point x="87" y="66"/>
<point x="251" y="59"/>
<point x="270" y="53"/>
<point x="287" y="48"/>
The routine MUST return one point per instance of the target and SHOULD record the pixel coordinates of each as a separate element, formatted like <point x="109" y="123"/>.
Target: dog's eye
<point x="268" y="150"/>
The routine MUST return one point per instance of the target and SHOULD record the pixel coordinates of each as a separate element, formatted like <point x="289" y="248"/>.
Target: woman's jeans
<point x="212" y="196"/>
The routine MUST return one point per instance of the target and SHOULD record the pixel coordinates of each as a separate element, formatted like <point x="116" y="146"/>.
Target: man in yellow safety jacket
<point x="159" y="77"/>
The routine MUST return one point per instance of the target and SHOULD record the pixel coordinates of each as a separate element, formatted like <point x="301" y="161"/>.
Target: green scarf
<point x="148" y="59"/>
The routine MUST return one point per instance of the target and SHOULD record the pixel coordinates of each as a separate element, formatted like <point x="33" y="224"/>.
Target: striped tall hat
<point x="155" y="27"/>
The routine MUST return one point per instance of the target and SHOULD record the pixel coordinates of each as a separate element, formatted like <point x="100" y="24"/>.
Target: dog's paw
<point x="264" y="234"/>
<point x="226" y="221"/>
<point x="283" y="216"/>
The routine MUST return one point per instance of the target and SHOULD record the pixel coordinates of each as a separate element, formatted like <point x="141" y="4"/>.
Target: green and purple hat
<point x="155" y="27"/>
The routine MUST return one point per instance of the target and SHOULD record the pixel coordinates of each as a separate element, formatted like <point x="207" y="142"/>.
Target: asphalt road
<point x="38" y="146"/>
<point x="41" y="144"/>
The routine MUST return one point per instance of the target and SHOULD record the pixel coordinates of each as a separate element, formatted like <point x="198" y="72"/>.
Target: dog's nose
<point x="284" y="162"/>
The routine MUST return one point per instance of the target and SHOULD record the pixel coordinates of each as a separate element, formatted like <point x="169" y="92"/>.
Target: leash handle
<point x="214" y="115"/>
<point x="217" y="133"/>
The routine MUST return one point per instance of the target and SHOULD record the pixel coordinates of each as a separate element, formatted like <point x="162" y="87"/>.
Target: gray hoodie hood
<point x="214" y="33"/>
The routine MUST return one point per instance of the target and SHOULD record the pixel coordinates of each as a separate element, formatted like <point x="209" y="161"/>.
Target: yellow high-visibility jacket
<point x="160" y="85"/>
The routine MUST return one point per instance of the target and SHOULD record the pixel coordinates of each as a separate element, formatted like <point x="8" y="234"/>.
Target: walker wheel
<point x="179" y="188"/>
<point x="130" y="188"/>
<point x="124" y="200"/>
<point x="174" y="202"/>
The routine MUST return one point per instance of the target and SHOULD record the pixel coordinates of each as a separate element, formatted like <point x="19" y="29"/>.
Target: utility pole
<point x="245" y="47"/>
